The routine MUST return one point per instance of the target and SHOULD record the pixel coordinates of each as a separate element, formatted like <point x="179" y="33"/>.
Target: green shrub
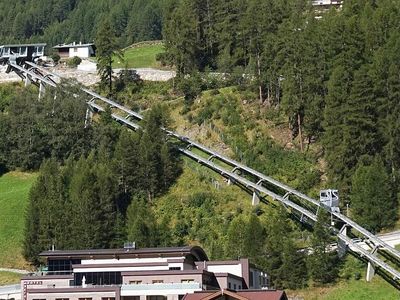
<point x="74" y="62"/>
<point x="55" y="57"/>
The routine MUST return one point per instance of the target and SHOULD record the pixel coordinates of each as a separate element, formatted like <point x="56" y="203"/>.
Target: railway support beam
<point x="27" y="81"/>
<point x="370" y="271"/>
<point x="256" y="198"/>
<point x="371" y="267"/>
<point x="41" y="90"/>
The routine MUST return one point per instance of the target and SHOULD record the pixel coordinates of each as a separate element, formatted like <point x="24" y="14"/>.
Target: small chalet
<point x="75" y="49"/>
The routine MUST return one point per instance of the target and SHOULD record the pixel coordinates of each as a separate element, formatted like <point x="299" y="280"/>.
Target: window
<point x="62" y="266"/>
<point x="62" y="298"/>
<point x="156" y="298"/>
<point x="158" y="281"/>
<point x="135" y="282"/>
<point x="187" y="280"/>
<point x="234" y="286"/>
<point x="107" y="298"/>
<point x="239" y="287"/>
<point x="98" y="278"/>
<point x="75" y="50"/>
<point x="251" y="279"/>
<point x="39" y="299"/>
<point x="174" y="268"/>
<point x="229" y="285"/>
<point x="130" y="298"/>
<point x="85" y="298"/>
<point x="22" y="51"/>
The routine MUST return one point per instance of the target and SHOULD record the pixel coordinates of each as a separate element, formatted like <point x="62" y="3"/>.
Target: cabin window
<point x="174" y="268"/>
<point x="75" y="50"/>
<point x="135" y="282"/>
<point x="158" y="281"/>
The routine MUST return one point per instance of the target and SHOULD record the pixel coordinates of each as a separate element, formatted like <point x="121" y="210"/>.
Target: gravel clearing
<point x="89" y="78"/>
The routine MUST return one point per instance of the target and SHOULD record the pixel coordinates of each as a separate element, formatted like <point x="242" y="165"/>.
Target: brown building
<point x="137" y="274"/>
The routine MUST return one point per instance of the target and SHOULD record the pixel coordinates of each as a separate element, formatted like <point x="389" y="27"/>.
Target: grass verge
<point x="7" y="278"/>
<point x="140" y="57"/>
<point x="14" y="190"/>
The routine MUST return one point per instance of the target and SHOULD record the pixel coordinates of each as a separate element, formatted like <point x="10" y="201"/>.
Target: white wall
<point x="233" y="269"/>
<point x="82" y="52"/>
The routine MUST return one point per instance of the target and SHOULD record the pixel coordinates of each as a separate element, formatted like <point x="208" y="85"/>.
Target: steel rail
<point x="244" y="181"/>
<point x="371" y="257"/>
<point x="33" y="75"/>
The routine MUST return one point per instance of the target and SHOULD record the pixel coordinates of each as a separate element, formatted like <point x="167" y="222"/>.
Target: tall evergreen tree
<point x="373" y="203"/>
<point x="322" y="263"/>
<point x="107" y="50"/>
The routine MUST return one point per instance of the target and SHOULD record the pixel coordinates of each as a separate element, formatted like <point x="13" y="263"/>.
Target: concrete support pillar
<point x="88" y="117"/>
<point x="256" y="198"/>
<point x="342" y="246"/>
<point x="370" y="271"/>
<point x="41" y="90"/>
<point x="371" y="267"/>
<point x="27" y="81"/>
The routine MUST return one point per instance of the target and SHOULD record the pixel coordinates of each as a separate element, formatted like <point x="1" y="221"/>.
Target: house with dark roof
<point x="237" y="295"/>
<point x="134" y="273"/>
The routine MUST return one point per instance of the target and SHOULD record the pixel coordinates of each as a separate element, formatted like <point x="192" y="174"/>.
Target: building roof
<point x="196" y="252"/>
<point x="73" y="45"/>
<point x="24" y="45"/>
<point x="238" y="295"/>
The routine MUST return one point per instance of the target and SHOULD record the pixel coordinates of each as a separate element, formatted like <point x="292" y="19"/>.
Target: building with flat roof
<point x="74" y="49"/>
<point x="137" y="274"/>
<point x="21" y="52"/>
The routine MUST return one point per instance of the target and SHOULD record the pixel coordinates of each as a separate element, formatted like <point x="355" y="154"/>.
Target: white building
<point x="75" y="49"/>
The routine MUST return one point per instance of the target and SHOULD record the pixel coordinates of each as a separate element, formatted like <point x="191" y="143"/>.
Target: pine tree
<point x="373" y="204"/>
<point x="140" y="223"/>
<point x="107" y="49"/>
<point x="322" y="263"/>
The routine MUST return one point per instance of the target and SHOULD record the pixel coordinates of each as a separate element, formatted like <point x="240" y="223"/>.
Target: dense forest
<point x="334" y="77"/>
<point x="65" y="21"/>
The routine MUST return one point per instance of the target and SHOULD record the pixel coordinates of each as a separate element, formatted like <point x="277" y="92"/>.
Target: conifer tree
<point x="322" y="263"/>
<point x="107" y="49"/>
<point x="140" y="223"/>
<point x="373" y="204"/>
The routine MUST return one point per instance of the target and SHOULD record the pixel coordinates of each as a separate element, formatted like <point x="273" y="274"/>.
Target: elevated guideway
<point x="370" y="247"/>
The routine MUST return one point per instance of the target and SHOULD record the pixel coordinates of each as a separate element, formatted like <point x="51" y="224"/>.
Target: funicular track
<point x="378" y="254"/>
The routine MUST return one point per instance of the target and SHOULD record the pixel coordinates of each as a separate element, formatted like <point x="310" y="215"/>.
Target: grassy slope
<point x="351" y="290"/>
<point x="7" y="278"/>
<point x="14" y="189"/>
<point x="143" y="56"/>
